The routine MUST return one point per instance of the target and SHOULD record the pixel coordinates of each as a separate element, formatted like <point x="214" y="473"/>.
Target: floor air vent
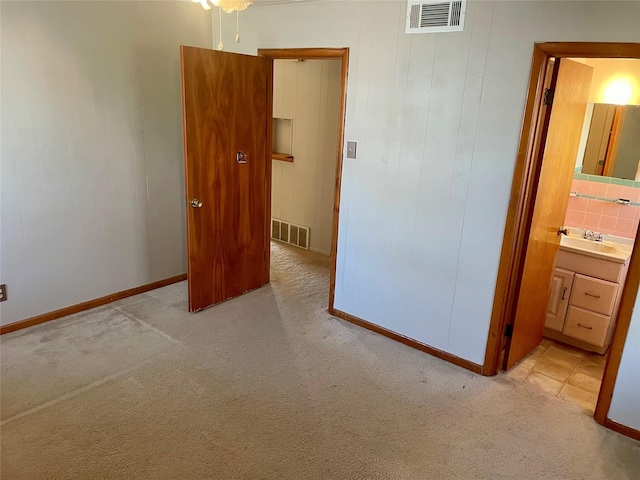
<point x="289" y="233"/>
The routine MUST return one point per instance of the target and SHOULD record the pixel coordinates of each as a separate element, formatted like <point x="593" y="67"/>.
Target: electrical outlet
<point x="3" y="293"/>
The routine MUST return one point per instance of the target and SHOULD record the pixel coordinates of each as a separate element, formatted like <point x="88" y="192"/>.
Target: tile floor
<point x="563" y="371"/>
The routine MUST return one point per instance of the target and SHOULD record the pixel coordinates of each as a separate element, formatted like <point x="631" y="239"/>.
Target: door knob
<point x="195" y="203"/>
<point x="563" y="231"/>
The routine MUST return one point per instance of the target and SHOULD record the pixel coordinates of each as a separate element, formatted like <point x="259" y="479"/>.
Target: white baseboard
<point x="317" y="250"/>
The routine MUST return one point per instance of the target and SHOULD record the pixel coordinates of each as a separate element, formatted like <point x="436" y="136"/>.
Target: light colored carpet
<point x="271" y="386"/>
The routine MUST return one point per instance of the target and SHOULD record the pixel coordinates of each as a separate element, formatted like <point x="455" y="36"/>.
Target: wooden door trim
<point x="518" y="217"/>
<point x="522" y="201"/>
<point x="303" y="53"/>
<point x="266" y="264"/>
<point x="317" y="54"/>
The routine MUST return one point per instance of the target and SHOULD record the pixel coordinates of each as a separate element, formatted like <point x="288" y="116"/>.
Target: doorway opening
<point x="308" y="104"/>
<point x="590" y="308"/>
<point x="227" y="102"/>
<point x="306" y="109"/>
<point x="591" y="266"/>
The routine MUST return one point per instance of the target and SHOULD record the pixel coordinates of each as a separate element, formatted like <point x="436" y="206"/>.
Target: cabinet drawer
<point x="594" y="294"/>
<point x="587" y="326"/>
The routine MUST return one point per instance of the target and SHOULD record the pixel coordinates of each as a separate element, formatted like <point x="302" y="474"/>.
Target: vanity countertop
<point x="615" y="249"/>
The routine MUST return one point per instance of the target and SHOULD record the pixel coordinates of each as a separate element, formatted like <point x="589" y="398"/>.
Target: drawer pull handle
<point x="564" y="293"/>
<point x="584" y="326"/>
<point x="591" y="295"/>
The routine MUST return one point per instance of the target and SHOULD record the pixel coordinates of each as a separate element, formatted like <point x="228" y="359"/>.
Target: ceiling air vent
<point x="433" y="16"/>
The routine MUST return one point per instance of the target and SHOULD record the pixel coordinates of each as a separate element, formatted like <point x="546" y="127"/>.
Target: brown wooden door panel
<point x="552" y="198"/>
<point x="224" y="112"/>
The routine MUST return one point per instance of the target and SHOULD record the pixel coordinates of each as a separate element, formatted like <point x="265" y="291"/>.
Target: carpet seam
<point x="80" y="391"/>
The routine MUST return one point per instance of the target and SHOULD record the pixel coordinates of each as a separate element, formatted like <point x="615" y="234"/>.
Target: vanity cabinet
<point x="584" y="302"/>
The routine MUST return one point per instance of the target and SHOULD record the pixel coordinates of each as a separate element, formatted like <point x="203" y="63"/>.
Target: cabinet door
<point x="559" y="300"/>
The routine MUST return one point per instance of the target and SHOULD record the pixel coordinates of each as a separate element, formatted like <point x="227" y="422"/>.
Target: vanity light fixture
<point x="618" y="92"/>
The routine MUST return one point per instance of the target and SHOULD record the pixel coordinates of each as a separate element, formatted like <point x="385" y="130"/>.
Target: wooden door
<point x="559" y="299"/>
<point x="571" y="92"/>
<point x="225" y="113"/>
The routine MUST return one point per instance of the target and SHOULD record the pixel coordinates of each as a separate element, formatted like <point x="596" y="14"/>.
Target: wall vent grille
<point x="434" y="16"/>
<point x="289" y="233"/>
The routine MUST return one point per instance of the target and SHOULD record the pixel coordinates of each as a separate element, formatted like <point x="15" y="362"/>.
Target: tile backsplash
<point x="604" y="216"/>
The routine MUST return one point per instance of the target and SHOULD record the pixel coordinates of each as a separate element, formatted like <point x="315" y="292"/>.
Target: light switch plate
<point x="3" y="293"/>
<point x="351" y="149"/>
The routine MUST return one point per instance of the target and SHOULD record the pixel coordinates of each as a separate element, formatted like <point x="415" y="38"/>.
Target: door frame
<point x="341" y="54"/>
<point x="522" y="201"/>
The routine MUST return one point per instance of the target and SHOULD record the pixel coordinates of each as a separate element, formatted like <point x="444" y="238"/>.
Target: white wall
<point x="91" y="151"/>
<point x="625" y="403"/>
<point x="303" y="191"/>
<point x="437" y="119"/>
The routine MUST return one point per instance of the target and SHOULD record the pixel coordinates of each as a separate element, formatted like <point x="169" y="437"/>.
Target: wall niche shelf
<point x="284" y="157"/>
<point x="282" y="139"/>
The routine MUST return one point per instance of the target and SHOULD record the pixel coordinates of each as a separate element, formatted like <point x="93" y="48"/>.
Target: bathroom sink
<point x="606" y="250"/>
<point x="585" y="244"/>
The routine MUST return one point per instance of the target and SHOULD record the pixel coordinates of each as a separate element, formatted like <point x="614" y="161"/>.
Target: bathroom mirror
<point x="610" y="144"/>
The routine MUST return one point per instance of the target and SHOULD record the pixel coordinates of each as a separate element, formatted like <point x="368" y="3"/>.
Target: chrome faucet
<point x="593" y="236"/>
